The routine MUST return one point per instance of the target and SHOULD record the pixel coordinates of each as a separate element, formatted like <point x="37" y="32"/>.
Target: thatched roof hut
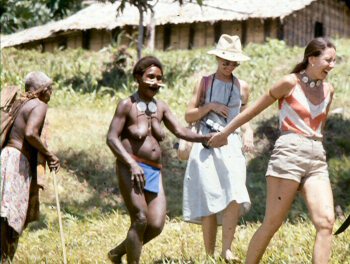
<point x="191" y="25"/>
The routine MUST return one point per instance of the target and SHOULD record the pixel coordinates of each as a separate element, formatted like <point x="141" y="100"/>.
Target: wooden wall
<point x="331" y="17"/>
<point x="75" y="40"/>
<point x="204" y="34"/>
<point x="99" y="39"/>
<point x="159" y="35"/>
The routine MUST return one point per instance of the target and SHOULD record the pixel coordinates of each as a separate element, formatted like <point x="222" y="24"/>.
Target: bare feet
<point x="229" y="257"/>
<point x="115" y="255"/>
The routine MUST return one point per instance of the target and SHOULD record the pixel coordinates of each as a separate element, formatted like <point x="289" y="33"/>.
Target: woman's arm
<point x="32" y="134"/>
<point x="195" y="111"/>
<point x="281" y="89"/>
<point x="177" y="129"/>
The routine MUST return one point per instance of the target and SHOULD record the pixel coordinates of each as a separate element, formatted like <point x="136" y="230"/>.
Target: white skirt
<point x="214" y="178"/>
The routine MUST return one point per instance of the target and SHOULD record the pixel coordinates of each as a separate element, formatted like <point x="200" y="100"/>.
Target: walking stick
<point x="59" y="217"/>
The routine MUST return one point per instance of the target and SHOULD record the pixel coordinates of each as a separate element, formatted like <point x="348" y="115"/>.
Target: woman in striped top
<point x="298" y="161"/>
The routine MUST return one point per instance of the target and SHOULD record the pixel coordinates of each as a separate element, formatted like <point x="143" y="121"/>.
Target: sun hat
<point x="229" y="48"/>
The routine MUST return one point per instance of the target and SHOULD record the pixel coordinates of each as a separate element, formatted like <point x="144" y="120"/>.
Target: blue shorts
<point x="152" y="175"/>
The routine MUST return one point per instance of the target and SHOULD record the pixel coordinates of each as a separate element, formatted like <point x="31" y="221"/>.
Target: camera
<point x="213" y="126"/>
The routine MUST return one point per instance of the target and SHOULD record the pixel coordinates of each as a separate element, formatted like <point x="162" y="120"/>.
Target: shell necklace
<point x="142" y="106"/>
<point x="308" y="82"/>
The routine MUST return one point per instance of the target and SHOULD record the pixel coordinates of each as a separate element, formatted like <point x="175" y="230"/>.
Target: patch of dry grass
<point x="94" y="217"/>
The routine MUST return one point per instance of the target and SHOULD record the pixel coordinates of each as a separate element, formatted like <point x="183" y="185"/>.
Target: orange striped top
<point x="299" y="115"/>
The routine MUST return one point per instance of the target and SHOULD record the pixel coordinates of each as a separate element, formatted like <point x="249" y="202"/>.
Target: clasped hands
<point x="219" y="139"/>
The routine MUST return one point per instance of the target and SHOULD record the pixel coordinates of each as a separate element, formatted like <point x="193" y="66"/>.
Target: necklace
<point x="311" y="83"/>
<point x="142" y="106"/>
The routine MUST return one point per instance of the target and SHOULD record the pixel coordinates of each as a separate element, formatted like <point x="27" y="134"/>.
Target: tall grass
<point x="94" y="216"/>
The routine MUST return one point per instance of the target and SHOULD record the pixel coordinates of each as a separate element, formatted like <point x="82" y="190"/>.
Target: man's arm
<point x="34" y="123"/>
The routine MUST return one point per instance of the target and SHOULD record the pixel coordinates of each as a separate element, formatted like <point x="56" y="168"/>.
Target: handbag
<point x="185" y="147"/>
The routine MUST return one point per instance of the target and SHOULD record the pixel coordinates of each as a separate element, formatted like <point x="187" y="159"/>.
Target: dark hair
<point x="313" y="49"/>
<point x="144" y="63"/>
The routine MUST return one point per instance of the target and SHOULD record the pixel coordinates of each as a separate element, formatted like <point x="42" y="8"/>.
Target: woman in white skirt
<point x="298" y="160"/>
<point x="215" y="190"/>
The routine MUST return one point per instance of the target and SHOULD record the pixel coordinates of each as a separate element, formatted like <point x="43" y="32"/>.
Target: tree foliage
<point x="20" y="14"/>
<point x="143" y="6"/>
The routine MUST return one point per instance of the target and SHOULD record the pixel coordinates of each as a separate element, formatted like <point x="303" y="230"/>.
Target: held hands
<point x="206" y="139"/>
<point x="138" y="179"/>
<point x="218" y="140"/>
<point x="53" y="163"/>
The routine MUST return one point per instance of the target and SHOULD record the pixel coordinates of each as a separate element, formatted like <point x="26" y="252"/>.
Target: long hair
<point x="313" y="49"/>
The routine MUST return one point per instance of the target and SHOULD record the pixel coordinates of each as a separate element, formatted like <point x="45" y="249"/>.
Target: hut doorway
<point x="319" y="31"/>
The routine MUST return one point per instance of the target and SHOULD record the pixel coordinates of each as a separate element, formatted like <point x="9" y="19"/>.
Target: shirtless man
<point x="19" y="161"/>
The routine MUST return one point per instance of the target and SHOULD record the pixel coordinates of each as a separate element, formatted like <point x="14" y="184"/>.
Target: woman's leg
<point x="156" y="213"/>
<point x="319" y="199"/>
<point x="280" y="196"/>
<point x="155" y="221"/>
<point x="209" y="228"/>
<point x="229" y="223"/>
<point x="137" y="207"/>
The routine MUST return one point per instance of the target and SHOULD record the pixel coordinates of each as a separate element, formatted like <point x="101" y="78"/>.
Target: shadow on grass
<point x="337" y="145"/>
<point x="40" y="224"/>
<point x="101" y="176"/>
<point x="96" y="174"/>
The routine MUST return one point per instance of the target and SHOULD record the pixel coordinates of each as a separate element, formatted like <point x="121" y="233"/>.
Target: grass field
<point x="94" y="217"/>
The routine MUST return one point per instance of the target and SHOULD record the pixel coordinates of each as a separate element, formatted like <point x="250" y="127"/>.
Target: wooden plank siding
<point x="329" y="18"/>
<point x="159" y="44"/>
<point x="100" y="39"/>
<point x="75" y="40"/>
<point x="255" y="31"/>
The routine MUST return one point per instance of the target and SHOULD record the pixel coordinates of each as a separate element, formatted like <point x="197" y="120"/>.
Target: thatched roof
<point x="104" y="16"/>
<point x="216" y="10"/>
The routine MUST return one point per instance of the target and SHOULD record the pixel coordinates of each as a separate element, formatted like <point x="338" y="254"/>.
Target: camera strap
<point x="211" y="89"/>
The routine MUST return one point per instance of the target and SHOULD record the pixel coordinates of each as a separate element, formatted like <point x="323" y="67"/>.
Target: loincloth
<point x="152" y="175"/>
<point x="16" y="178"/>
<point x="151" y="170"/>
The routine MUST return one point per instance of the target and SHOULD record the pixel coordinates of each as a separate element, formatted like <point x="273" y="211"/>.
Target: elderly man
<point x="18" y="182"/>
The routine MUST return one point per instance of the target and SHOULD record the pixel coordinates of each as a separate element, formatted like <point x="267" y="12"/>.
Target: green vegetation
<point x="88" y="87"/>
<point x="17" y="15"/>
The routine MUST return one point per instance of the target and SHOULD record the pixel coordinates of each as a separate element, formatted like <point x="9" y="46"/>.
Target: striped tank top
<point x="299" y="115"/>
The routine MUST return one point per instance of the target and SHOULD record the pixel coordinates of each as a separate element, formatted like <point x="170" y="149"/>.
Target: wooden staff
<point x="53" y="173"/>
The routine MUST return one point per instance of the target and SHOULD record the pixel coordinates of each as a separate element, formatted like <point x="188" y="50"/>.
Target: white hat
<point x="229" y="48"/>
